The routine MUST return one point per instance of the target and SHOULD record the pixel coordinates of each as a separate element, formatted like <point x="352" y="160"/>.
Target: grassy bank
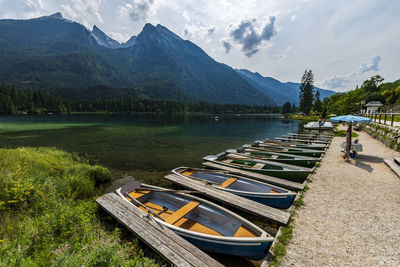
<point x="49" y="217"/>
<point x="306" y="118"/>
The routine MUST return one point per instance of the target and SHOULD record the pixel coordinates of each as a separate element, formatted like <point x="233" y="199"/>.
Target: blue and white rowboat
<point x="264" y="193"/>
<point x="203" y="223"/>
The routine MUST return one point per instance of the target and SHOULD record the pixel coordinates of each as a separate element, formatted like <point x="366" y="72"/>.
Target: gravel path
<point x="352" y="212"/>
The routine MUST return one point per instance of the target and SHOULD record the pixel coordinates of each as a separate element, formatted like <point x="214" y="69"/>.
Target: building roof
<point x="374" y="104"/>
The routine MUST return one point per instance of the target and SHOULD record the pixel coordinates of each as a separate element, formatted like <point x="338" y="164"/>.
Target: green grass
<point x="286" y="234"/>
<point x="49" y="217"/>
<point x="304" y="117"/>
<point x="343" y="133"/>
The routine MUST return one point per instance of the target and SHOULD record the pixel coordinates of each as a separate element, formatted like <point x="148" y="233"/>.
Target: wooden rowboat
<point x="286" y="150"/>
<point x="301" y="140"/>
<point x="264" y="193"/>
<point x="316" y="126"/>
<point x="312" y="138"/>
<point x="276" y="169"/>
<point x="291" y="144"/>
<point x="203" y="223"/>
<point x="297" y="160"/>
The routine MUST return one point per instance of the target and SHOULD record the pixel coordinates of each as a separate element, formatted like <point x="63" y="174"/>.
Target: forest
<point x="372" y="89"/>
<point x="16" y="101"/>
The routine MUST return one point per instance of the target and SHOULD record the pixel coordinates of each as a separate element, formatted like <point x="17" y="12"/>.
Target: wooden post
<point x="375" y="118"/>
<point x="380" y="115"/>
<point x="384" y="122"/>
<point x="391" y="124"/>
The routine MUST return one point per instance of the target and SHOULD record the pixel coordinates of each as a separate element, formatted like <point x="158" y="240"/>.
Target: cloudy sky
<point x="344" y="42"/>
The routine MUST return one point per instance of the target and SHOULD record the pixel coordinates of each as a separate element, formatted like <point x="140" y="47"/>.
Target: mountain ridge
<point x="53" y="53"/>
<point x="280" y="92"/>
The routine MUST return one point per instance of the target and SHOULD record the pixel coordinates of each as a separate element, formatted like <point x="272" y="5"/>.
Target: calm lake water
<point x="142" y="146"/>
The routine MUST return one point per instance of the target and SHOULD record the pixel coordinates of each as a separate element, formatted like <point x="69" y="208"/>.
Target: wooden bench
<point x="258" y="166"/>
<point x="182" y="212"/>
<point x="228" y="182"/>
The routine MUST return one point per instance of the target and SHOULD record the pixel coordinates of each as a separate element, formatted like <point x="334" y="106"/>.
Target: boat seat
<point x="228" y="160"/>
<point x="273" y="192"/>
<point x="136" y="194"/>
<point x="228" y="182"/>
<point x="188" y="173"/>
<point x="258" y="166"/>
<point x="182" y="212"/>
<point x="243" y="231"/>
<point x="274" y="157"/>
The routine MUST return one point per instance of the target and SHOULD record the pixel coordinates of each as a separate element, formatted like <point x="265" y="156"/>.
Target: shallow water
<point x="145" y="147"/>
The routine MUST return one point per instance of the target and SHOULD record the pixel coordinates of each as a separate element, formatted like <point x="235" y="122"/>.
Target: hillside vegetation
<point x="49" y="216"/>
<point x="372" y="89"/>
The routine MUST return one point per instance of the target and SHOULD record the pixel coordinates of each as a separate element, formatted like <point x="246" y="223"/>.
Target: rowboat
<point x="320" y="138"/>
<point x="312" y="134"/>
<point x="297" y="160"/>
<point x="264" y="193"/>
<point x="204" y="224"/>
<point x="286" y="150"/>
<point x="316" y="126"/>
<point x="290" y="144"/>
<point x="276" y="169"/>
<point x="300" y="140"/>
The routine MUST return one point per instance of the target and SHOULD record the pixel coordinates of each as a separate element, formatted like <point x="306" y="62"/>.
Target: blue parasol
<point x="352" y="119"/>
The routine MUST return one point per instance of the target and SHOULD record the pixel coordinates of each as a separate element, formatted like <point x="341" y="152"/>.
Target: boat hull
<point x="283" y="202"/>
<point x="309" y="163"/>
<point x="254" y="251"/>
<point x="315" y="154"/>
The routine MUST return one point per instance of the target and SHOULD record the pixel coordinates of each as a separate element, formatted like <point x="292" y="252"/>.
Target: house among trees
<point x="373" y="106"/>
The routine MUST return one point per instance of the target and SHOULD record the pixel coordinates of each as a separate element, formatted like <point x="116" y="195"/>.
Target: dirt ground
<point x="352" y="212"/>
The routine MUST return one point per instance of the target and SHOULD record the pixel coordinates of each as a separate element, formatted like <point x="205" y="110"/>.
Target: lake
<point x="143" y="146"/>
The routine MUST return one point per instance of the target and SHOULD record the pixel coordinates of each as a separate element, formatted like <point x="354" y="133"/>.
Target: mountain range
<point x="65" y="58"/>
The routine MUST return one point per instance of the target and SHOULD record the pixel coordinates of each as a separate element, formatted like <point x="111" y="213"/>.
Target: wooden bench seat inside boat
<point x="258" y="166"/>
<point x="182" y="222"/>
<point x="188" y="173"/>
<point x="182" y="212"/>
<point x="273" y="192"/>
<point x="228" y="182"/>
<point x="135" y="194"/>
<point x="243" y="231"/>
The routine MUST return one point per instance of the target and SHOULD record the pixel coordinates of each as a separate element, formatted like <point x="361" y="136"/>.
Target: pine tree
<point x="294" y="108"/>
<point x="306" y="92"/>
<point x="286" y="108"/>
<point x="317" y="103"/>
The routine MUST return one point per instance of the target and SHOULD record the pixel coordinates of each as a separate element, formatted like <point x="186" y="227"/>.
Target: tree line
<point x="14" y="101"/>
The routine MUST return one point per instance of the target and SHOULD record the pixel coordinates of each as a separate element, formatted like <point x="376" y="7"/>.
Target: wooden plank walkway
<point x="169" y="245"/>
<point x="261" y="177"/>
<point x="258" y="209"/>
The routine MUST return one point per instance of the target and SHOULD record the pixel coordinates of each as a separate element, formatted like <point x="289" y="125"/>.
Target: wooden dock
<point x="169" y="245"/>
<point x="261" y="177"/>
<point x="266" y="212"/>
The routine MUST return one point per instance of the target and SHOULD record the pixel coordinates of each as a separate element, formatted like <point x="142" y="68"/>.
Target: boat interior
<point x="250" y="164"/>
<point x="225" y="181"/>
<point x="192" y="215"/>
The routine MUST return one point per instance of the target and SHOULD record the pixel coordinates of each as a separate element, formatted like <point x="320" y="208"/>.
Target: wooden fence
<point x="378" y="117"/>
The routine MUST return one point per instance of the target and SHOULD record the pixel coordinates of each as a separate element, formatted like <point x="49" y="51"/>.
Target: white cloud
<point x="371" y="66"/>
<point x="340" y="82"/>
